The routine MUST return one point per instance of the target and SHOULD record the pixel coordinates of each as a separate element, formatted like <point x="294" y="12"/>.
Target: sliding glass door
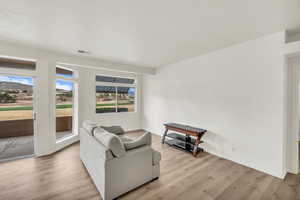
<point x="16" y="116"/>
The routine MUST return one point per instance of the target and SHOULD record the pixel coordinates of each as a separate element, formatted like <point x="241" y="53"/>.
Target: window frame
<point x="116" y="85"/>
<point x="74" y="79"/>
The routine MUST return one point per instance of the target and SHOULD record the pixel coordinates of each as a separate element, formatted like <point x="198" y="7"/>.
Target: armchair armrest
<point x="127" y="172"/>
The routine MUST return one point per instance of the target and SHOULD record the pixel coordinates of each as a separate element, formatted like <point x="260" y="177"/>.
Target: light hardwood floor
<point x="62" y="176"/>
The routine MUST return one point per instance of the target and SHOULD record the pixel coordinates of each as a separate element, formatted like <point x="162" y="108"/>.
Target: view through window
<point x="126" y="99"/>
<point x="115" y="94"/>
<point x="106" y="99"/>
<point x="65" y="90"/>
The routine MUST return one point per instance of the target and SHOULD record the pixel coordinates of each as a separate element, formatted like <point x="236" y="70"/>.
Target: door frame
<point x="292" y="123"/>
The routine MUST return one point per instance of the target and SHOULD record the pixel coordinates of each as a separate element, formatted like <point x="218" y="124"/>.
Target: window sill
<point x="116" y="113"/>
<point x="68" y="136"/>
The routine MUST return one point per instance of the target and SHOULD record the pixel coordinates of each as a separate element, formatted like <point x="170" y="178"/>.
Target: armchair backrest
<point x="110" y="141"/>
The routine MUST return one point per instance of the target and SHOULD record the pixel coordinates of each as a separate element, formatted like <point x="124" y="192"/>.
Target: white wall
<point x="236" y="93"/>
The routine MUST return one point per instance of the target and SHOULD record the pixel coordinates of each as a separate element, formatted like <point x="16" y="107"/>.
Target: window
<point x="126" y="99"/>
<point x="106" y="99"/>
<point x="64" y="72"/>
<point x="115" y="94"/>
<point x="65" y="112"/>
<point x="110" y="79"/>
<point x="17" y="64"/>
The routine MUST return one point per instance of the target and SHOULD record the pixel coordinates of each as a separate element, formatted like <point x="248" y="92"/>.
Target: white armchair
<point x="116" y="168"/>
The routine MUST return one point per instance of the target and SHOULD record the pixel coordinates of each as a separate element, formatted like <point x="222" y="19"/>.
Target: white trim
<point x="17" y="58"/>
<point x="35" y="111"/>
<point x="116" y="104"/>
<point x="52" y="103"/>
<point x="292" y="124"/>
<point x="66" y="137"/>
<point x="64" y="143"/>
<point x="292" y="49"/>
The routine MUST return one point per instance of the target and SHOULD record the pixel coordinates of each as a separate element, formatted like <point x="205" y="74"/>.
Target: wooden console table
<point x="186" y="142"/>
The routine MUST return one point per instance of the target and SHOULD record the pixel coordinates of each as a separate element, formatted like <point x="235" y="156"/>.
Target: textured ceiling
<point x="143" y="32"/>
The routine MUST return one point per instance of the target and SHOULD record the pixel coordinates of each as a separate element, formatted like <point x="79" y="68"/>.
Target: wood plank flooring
<point x="62" y="176"/>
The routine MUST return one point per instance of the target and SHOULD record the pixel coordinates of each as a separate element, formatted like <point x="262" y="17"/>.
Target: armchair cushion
<point x="138" y="142"/>
<point x="110" y="141"/>
<point x="125" y="139"/>
<point x="118" y="130"/>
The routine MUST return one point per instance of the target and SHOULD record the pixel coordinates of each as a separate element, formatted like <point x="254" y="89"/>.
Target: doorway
<point x="17" y="116"/>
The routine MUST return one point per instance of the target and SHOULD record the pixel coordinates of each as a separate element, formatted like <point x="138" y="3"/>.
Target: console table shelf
<point x="184" y="142"/>
<point x="182" y="138"/>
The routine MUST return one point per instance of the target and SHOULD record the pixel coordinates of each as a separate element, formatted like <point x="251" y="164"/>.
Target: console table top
<point x="185" y="127"/>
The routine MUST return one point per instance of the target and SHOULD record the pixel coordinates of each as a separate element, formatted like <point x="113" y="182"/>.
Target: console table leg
<point x="164" y="136"/>
<point x="196" y="146"/>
